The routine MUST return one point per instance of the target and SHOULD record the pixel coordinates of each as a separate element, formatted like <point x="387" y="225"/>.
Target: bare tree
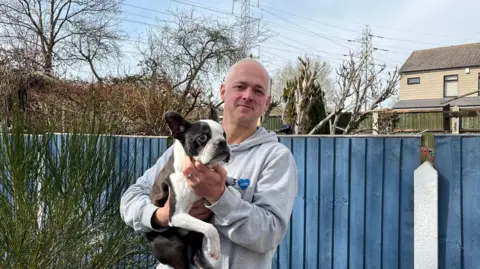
<point x="303" y="92"/>
<point x="290" y="71"/>
<point x="192" y="50"/>
<point x="356" y="91"/>
<point x="96" y="48"/>
<point x="50" y="26"/>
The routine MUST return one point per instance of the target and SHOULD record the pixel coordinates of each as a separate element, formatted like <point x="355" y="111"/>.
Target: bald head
<point x="249" y="63"/>
<point x="246" y="96"/>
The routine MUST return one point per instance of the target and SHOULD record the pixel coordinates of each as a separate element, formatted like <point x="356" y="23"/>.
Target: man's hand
<point x="199" y="211"/>
<point x="205" y="182"/>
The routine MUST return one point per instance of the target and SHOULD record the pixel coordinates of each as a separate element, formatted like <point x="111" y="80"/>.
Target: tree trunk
<point x="48" y="67"/>
<point x="322" y="123"/>
<point x="90" y="63"/>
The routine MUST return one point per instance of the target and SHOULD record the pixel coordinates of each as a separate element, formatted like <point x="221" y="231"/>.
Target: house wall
<point x="431" y="83"/>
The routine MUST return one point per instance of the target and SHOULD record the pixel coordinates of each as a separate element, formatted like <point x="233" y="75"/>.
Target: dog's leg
<point x="185" y="221"/>
<point x="169" y="248"/>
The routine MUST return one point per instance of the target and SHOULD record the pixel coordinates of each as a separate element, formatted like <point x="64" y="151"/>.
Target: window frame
<point x="413" y="83"/>
<point x="478" y="84"/>
<point x="450" y="80"/>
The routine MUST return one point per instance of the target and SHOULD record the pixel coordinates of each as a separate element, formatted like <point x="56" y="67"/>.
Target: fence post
<point x="375" y="123"/>
<point x="455" y="122"/>
<point x="425" y="245"/>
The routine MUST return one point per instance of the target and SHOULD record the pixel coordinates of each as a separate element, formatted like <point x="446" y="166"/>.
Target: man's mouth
<point x="246" y="106"/>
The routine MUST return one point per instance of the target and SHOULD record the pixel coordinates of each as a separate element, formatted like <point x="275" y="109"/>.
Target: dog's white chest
<point x="184" y="197"/>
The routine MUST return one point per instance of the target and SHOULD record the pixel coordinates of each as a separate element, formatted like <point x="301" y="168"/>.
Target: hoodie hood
<point x="261" y="136"/>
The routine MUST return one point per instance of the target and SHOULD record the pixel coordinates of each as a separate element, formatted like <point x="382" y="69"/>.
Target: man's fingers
<point x="219" y="169"/>
<point x="201" y="167"/>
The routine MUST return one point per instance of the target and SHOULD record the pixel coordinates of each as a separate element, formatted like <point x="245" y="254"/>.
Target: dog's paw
<point x="213" y="243"/>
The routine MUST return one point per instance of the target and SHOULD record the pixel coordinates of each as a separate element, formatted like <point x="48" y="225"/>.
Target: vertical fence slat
<point x="373" y="203"/>
<point x="471" y="201"/>
<point x="312" y="203"/>
<point x="357" y="203"/>
<point x="284" y="250"/>
<point x="148" y="159"/>
<point x="410" y="161"/>
<point x="341" y="203"/>
<point x="298" y="214"/>
<point x="139" y="156"/>
<point x="448" y="164"/>
<point x="391" y="203"/>
<point x="327" y="178"/>
<point x="154" y="150"/>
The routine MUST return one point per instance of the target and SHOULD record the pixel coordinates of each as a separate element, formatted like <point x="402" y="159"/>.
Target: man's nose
<point x="248" y="94"/>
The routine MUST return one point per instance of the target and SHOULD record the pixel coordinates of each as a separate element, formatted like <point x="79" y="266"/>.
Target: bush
<point x="60" y="196"/>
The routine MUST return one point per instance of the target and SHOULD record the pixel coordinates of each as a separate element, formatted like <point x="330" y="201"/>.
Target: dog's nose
<point x="221" y="143"/>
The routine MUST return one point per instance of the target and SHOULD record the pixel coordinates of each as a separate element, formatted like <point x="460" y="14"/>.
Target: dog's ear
<point x="177" y="124"/>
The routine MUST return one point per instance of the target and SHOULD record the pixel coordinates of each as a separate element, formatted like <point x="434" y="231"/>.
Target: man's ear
<point x="269" y="99"/>
<point x="222" y="91"/>
<point x="177" y="124"/>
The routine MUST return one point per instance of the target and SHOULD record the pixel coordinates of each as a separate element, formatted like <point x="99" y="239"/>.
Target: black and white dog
<point x="205" y="141"/>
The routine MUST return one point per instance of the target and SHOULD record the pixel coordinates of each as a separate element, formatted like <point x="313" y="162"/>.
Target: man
<point x="262" y="169"/>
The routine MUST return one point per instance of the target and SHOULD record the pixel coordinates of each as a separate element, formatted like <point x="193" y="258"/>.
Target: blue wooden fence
<point x="457" y="160"/>
<point x="354" y="207"/>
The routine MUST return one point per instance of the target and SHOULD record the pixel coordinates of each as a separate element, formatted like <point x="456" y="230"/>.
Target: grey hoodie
<point x="251" y="226"/>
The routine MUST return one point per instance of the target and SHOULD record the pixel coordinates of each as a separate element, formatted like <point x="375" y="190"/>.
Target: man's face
<point x="245" y="93"/>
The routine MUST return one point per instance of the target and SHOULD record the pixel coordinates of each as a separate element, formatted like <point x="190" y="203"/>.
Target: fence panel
<point x="457" y="160"/>
<point x="354" y="207"/>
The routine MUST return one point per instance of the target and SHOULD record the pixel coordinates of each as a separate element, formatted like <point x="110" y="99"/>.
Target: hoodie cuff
<point x="225" y="205"/>
<point x="147" y="215"/>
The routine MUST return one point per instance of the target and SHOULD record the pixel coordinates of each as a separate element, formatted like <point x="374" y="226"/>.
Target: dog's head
<point x="204" y="140"/>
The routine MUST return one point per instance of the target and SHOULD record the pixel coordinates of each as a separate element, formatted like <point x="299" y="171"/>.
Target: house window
<point x="411" y="81"/>
<point x="450" y="87"/>
<point x="478" y="84"/>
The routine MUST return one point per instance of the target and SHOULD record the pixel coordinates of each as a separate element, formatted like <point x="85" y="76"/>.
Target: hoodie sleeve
<point x="262" y="224"/>
<point x="136" y="208"/>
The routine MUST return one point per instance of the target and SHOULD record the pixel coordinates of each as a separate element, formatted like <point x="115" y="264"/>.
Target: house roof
<point x="437" y="103"/>
<point x="458" y="56"/>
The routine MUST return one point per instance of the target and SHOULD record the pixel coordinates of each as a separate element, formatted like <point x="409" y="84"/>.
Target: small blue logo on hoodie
<point x="243" y="183"/>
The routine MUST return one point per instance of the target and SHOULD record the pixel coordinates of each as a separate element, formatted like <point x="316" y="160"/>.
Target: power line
<point x="310" y="19"/>
<point x="362" y="23"/>
<point x="148" y="9"/>
<point x="306" y="31"/>
<point x="225" y="12"/>
<point x="203" y="7"/>
<point x="296" y="41"/>
<point x="335" y="26"/>
<point x="321" y="36"/>
<point x="404" y="40"/>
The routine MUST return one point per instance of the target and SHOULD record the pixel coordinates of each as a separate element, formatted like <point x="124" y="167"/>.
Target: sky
<point x="324" y="28"/>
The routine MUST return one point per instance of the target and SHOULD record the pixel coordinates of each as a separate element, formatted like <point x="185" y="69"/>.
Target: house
<point x="431" y="76"/>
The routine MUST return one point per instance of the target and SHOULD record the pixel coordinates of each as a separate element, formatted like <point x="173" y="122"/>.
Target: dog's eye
<point x="202" y="138"/>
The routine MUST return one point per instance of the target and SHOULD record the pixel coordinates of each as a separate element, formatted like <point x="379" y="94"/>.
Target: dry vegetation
<point x="130" y="106"/>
